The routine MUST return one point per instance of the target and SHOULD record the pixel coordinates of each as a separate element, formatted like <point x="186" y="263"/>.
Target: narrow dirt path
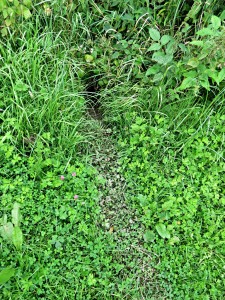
<point x="120" y="220"/>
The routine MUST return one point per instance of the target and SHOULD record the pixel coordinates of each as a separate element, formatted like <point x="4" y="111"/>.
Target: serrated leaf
<point x="17" y="238"/>
<point x="154" y="34"/>
<point x="149" y="236"/>
<point x="205" y="31"/>
<point x="6" y="231"/>
<point x="16" y="216"/>
<point x="154" y="47"/>
<point x="216" y="22"/>
<point x="162" y="231"/>
<point x="165" y="39"/>
<point x="6" y="274"/>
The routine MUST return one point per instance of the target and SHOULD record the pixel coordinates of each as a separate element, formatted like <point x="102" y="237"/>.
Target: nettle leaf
<point x="17" y="238"/>
<point x="165" y="39"/>
<point x="6" y="274"/>
<point x="16" y="216"/>
<point x="149" y="236"/>
<point x="205" y="31"/>
<point x="155" y="46"/>
<point x="154" y="34"/>
<point x="216" y="22"/>
<point x="162" y="231"/>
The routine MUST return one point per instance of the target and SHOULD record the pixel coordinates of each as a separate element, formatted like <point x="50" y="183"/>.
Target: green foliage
<point x="154" y="73"/>
<point x="10" y="10"/>
<point x="180" y="198"/>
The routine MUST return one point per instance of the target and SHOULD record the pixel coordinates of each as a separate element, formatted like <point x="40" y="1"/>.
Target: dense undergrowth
<point x="80" y="80"/>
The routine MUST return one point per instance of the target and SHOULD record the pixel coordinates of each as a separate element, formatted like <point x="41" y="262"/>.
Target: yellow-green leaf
<point x="6" y="274"/>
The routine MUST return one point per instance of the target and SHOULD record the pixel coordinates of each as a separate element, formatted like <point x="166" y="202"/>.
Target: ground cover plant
<point x="112" y="149"/>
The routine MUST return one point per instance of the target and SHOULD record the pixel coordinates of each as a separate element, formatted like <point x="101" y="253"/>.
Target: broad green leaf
<point x="165" y="39"/>
<point x="221" y="76"/>
<point x="216" y="22"/>
<point x="182" y="47"/>
<point x="89" y="58"/>
<point x="205" y="31"/>
<point x="187" y="83"/>
<point x="153" y="70"/>
<point x="26" y="13"/>
<point x="6" y="274"/>
<point x="5" y="13"/>
<point x="6" y="231"/>
<point x="167" y="205"/>
<point x="205" y="83"/>
<point x="174" y="240"/>
<point x="8" y="22"/>
<point x="16" y="2"/>
<point x="16" y="216"/>
<point x="17" y="238"/>
<point x="193" y="62"/>
<point x="154" y="47"/>
<point x="127" y="17"/>
<point x="20" y="86"/>
<point x="4" y="31"/>
<point x="154" y="34"/>
<point x="161" y="58"/>
<point x="162" y="231"/>
<point x="171" y="47"/>
<point x="212" y="73"/>
<point x="197" y="43"/>
<point x="157" y="77"/>
<point x="149" y="236"/>
<point x="27" y="3"/>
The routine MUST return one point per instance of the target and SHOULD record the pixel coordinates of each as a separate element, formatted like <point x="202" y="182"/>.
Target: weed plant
<point x="156" y="71"/>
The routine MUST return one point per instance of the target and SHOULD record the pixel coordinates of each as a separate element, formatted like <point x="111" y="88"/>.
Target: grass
<point x="111" y="147"/>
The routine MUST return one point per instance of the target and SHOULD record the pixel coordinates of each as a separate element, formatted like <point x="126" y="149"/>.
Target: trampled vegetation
<point x="112" y="130"/>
